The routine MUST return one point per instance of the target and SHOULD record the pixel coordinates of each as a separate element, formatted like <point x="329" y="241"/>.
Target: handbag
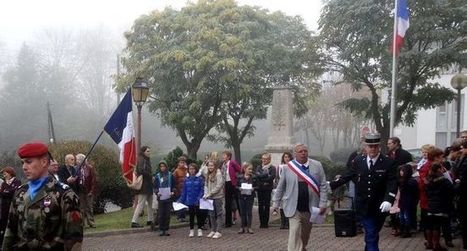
<point x="137" y="182"/>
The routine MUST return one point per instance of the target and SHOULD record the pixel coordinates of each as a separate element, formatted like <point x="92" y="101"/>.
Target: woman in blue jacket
<point x="193" y="190"/>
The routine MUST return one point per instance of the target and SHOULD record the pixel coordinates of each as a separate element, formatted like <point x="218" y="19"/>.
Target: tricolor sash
<point x="305" y="175"/>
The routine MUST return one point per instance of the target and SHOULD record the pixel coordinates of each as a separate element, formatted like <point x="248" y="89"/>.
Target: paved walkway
<point x="273" y="238"/>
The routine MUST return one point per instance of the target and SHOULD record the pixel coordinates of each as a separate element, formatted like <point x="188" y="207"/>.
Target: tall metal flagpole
<point x="394" y="73"/>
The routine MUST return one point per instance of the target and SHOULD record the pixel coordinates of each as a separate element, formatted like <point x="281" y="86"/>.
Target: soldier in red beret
<point x="44" y="213"/>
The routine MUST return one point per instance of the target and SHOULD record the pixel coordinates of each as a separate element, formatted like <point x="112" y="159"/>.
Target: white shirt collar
<point x="374" y="160"/>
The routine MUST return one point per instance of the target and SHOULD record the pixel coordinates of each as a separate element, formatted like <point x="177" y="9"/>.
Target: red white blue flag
<point x="120" y="129"/>
<point x="402" y="23"/>
<point x="304" y="174"/>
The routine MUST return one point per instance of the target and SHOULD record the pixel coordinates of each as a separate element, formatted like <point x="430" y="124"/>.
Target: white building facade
<point x="435" y="126"/>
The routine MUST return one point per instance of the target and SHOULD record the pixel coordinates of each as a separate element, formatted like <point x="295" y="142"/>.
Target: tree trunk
<point x="192" y="150"/>
<point x="237" y="153"/>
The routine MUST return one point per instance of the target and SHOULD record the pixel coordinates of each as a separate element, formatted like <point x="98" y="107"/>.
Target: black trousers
<point x="284" y="220"/>
<point x="165" y="206"/>
<point x="245" y="205"/>
<point x="200" y="215"/>
<point x="264" y="203"/>
<point x="230" y="197"/>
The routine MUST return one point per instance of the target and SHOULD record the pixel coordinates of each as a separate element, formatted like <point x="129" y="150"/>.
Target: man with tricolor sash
<point x="375" y="180"/>
<point x="301" y="187"/>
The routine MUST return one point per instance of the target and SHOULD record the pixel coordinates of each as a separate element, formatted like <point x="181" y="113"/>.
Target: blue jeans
<point x="405" y="217"/>
<point x="372" y="225"/>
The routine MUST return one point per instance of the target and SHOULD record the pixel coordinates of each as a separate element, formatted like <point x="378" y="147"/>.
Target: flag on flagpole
<point x="121" y="130"/>
<point x="402" y="23"/>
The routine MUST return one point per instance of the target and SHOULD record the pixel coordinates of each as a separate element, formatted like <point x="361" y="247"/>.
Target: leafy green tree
<point x="278" y="51"/>
<point x="214" y="63"/>
<point x="357" y="35"/>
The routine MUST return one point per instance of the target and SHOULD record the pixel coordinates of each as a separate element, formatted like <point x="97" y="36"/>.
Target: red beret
<point x="32" y="149"/>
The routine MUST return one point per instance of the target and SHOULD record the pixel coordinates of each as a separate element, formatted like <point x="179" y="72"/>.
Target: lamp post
<point x="458" y="82"/>
<point x="139" y="91"/>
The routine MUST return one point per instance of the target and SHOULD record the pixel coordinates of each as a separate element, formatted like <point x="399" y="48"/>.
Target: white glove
<point x="385" y="206"/>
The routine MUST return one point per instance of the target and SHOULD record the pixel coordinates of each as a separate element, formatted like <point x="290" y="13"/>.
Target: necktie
<point x="304" y="167"/>
<point x="371" y="164"/>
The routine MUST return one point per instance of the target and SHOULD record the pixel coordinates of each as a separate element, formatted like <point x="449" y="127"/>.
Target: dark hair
<point x="143" y="149"/>
<point x="228" y="153"/>
<point x="194" y="166"/>
<point x="447" y="151"/>
<point x="395" y="140"/>
<point x="407" y="170"/>
<point x="433" y="153"/>
<point x="434" y="172"/>
<point x="283" y="155"/>
<point x="464" y="144"/>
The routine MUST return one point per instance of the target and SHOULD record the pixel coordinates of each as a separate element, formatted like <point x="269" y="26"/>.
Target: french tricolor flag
<point x="121" y="130"/>
<point x="402" y="23"/>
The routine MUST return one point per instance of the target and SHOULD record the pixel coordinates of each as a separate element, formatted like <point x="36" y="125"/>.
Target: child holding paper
<point x="164" y="188"/>
<point x="193" y="190"/>
<point x="214" y="190"/>
<point x="246" y="196"/>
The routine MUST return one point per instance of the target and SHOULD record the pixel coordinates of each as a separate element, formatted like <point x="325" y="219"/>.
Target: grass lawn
<point x="118" y="220"/>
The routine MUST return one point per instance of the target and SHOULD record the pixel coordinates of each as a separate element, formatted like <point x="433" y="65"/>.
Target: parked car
<point x="416" y="154"/>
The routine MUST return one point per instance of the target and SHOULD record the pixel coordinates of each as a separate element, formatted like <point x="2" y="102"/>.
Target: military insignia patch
<point x="75" y="216"/>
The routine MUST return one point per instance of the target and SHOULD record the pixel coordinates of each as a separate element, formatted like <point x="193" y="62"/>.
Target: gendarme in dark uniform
<point x="375" y="177"/>
<point x="44" y="213"/>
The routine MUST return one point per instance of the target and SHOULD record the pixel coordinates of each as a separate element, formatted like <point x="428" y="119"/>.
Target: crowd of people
<point x="382" y="184"/>
<point x="397" y="185"/>
<point x="425" y="195"/>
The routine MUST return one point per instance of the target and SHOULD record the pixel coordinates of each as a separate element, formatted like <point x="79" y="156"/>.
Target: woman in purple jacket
<point x="193" y="190"/>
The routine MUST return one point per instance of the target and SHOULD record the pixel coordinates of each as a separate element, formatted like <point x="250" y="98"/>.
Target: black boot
<point x="405" y="232"/>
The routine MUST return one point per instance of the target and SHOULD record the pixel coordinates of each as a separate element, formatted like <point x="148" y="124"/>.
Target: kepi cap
<point x="372" y="138"/>
<point x="32" y="149"/>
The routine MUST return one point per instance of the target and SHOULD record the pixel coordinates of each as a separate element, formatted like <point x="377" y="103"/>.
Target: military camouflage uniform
<point x="52" y="221"/>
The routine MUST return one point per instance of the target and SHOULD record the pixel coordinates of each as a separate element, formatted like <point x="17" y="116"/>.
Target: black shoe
<point x="162" y="233"/>
<point x="167" y="234"/>
<point x="149" y="223"/>
<point x="135" y="225"/>
<point x="228" y="225"/>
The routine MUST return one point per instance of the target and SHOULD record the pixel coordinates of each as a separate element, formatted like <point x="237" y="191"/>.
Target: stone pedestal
<point x="281" y="134"/>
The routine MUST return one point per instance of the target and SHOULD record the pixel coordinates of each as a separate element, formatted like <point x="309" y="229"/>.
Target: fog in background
<point x="68" y="50"/>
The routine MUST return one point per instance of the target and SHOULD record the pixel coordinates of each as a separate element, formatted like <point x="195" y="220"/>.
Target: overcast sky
<point x="20" y="20"/>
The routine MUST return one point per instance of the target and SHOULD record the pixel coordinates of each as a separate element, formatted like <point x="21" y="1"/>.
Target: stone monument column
<point x="281" y="134"/>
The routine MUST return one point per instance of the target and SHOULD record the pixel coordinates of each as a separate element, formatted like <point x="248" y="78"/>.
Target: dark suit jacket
<point x="64" y="174"/>
<point x="402" y="157"/>
<point x="372" y="186"/>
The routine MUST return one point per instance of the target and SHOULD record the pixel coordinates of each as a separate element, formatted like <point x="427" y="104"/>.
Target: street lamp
<point x="139" y="91"/>
<point x="458" y="82"/>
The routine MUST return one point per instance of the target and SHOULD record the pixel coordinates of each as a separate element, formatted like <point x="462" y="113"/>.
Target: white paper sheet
<point x="165" y="193"/>
<point x="206" y="204"/>
<point x="316" y="217"/>
<point x="246" y="186"/>
<point x="178" y="206"/>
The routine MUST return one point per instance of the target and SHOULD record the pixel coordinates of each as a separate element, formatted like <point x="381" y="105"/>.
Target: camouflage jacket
<point x="51" y="221"/>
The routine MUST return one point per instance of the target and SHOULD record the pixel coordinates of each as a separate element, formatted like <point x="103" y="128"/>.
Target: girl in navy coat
<point x="408" y="187"/>
<point x="193" y="190"/>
